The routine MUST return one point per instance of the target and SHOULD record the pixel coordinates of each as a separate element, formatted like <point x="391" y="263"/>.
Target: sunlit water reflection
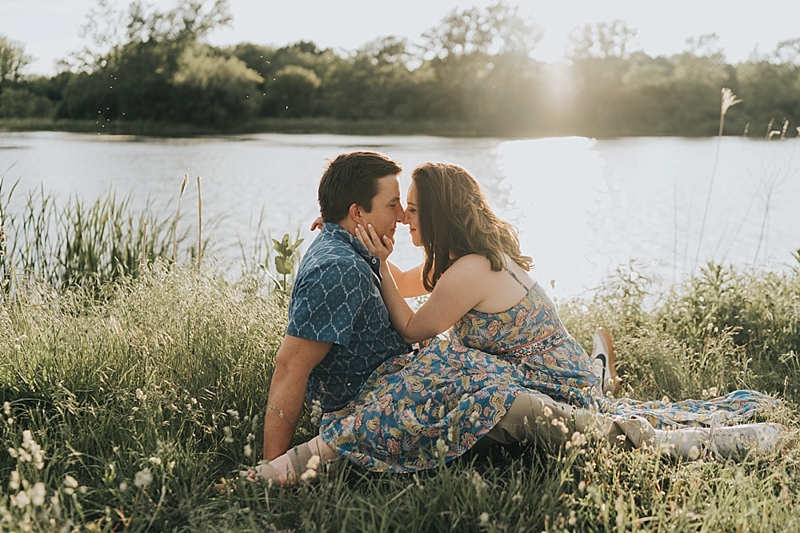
<point x="583" y="207"/>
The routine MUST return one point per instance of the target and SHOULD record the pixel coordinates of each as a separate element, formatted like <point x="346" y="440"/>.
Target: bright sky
<point x="49" y="28"/>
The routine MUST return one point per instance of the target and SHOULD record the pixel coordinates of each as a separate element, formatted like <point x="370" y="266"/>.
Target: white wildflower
<point x="234" y="413"/>
<point x="7" y="408"/>
<point x="141" y="396"/>
<point x="70" y="484"/>
<point x="37" y="494"/>
<point x="694" y="453"/>
<point x="316" y="412"/>
<point x="21" y="500"/>
<point x="155" y="460"/>
<point x="483" y="519"/>
<point x="313" y="462"/>
<point x="55" y="504"/>
<point x="228" y="434"/>
<point x="143" y="478"/>
<point x="13" y="483"/>
<point x="308" y="475"/>
<point x="573" y="519"/>
<point x="248" y="450"/>
<point x="478" y="482"/>
<point x="123" y="486"/>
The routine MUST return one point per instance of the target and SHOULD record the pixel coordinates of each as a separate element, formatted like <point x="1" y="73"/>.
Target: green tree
<point x="13" y="61"/>
<point x="134" y="57"/>
<point x="214" y="89"/>
<point x="481" y="59"/>
<point x="292" y="91"/>
<point x="769" y="86"/>
<point x="20" y="103"/>
<point x="374" y="83"/>
<point x="268" y="62"/>
<point x="599" y="55"/>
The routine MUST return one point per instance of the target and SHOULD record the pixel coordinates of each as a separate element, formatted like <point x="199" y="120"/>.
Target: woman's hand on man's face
<point x="379" y="246"/>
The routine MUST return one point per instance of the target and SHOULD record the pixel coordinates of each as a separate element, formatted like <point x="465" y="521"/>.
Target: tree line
<point x="474" y="68"/>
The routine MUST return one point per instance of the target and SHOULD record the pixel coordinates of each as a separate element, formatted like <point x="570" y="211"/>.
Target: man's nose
<point x="401" y="214"/>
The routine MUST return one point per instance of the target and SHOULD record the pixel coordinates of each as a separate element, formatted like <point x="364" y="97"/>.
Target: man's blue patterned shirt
<point x="336" y="298"/>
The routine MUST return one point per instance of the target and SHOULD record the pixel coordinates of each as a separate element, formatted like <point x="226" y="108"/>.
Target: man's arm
<point x="295" y="359"/>
<point x="409" y="282"/>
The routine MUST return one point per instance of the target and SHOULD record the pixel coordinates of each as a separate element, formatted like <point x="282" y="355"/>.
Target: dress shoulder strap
<point x="517" y="279"/>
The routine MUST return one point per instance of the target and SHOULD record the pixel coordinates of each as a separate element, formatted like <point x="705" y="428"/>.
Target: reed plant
<point x="79" y="242"/>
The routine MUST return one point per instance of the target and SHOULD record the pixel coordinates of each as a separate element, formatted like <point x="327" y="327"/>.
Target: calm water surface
<point x="583" y="207"/>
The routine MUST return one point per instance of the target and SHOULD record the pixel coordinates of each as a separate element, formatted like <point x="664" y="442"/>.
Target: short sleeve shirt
<point x="336" y="298"/>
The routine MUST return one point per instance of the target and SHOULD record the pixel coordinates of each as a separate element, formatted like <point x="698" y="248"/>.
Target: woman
<point x="507" y="354"/>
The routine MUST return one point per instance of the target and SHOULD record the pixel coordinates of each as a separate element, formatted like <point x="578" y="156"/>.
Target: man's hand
<point x="295" y="359"/>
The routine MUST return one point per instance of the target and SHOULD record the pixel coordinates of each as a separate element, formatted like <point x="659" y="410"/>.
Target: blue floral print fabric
<point x="420" y="408"/>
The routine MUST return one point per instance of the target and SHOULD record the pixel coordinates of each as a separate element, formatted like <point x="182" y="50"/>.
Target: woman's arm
<point x="409" y="282"/>
<point x="459" y="289"/>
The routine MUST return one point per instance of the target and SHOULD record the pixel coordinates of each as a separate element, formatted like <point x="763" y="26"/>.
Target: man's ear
<point x="356" y="212"/>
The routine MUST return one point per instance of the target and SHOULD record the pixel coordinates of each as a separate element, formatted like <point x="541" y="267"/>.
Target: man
<point x="339" y="329"/>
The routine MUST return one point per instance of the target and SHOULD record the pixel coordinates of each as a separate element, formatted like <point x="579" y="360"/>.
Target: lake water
<point x="583" y="206"/>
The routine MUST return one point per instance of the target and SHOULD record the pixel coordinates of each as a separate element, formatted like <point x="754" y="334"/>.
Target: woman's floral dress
<point x="418" y="409"/>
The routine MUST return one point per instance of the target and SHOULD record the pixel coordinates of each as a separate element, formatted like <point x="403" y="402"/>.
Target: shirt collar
<point x="338" y="232"/>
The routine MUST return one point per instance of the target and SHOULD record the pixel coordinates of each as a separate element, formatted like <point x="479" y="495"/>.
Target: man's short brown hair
<point x="352" y="179"/>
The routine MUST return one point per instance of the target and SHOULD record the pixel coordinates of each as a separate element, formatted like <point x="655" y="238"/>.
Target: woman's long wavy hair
<point x="455" y="220"/>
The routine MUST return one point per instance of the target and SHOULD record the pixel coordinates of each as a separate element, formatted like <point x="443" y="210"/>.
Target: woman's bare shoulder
<point x="471" y="265"/>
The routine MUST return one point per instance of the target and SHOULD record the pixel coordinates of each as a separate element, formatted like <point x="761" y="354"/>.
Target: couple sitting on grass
<point x="508" y="371"/>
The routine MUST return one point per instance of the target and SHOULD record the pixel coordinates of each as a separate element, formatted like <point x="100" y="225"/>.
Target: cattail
<point x="199" y="225"/>
<point x="177" y="217"/>
<point x="143" y="260"/>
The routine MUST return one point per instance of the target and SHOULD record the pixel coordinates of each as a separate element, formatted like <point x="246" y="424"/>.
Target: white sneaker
<point x="684" y="443"/>
<point x="603" y="358"/>
<point x="734" y="442"/>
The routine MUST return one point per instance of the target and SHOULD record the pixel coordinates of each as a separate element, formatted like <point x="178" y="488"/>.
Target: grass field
<point x="132" y="385"/>
<point x="125" y="409"/>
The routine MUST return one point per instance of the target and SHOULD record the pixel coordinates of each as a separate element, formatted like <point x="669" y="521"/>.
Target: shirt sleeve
<point x="325" y="303"/>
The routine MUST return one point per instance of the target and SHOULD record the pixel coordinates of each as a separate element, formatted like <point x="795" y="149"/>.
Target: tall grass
<point x="125" y="412"/>
<point x="145" y="399"/>
<point x="79" y="242"/>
